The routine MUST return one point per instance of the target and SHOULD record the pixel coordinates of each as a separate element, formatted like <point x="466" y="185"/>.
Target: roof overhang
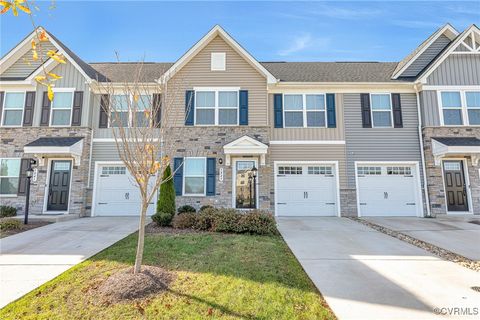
<point x="441" y="150"/>
<point x="245" y="146"/>
<point x="344" y="87"/>
<point x="214" y="32"/>
<point x="47" y="151"/>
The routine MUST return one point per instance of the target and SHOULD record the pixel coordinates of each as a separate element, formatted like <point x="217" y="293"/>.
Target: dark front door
<point x="59" y="186"/>
<point x="455" y="187"/>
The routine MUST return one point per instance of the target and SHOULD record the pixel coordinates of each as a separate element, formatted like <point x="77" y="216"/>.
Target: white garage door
<point x="306" y="190"/>
<point x="387" y="190"/>
<point x="116" y="193"/>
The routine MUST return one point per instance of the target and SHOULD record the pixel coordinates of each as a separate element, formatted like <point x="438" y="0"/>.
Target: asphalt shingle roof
<point x="54" y="142"/>
<point x="448" y="141"/>
<point x="122" y="72"/>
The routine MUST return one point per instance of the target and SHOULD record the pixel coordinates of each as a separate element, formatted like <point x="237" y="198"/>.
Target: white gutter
<point x="422" y="153"/>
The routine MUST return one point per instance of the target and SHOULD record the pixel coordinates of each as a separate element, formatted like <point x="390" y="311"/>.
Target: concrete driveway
<point x="31" y="258"/>
<point x="364" y="274"/>
<point x="454" y="233"/>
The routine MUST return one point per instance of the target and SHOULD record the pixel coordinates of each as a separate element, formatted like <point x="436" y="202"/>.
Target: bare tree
<point x="139" y="111"/>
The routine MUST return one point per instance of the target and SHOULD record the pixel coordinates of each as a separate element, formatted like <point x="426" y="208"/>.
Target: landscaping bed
<point x="207" y="275"/>
<point x="11" y="226"/>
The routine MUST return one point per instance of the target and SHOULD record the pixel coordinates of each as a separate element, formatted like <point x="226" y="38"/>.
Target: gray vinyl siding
<point x="71" y="78"/>
<point x="457" y="70"/>
<point x="429" y="108"/>
<point x="380" y="144"/>
<point x="25" y="65"/>
<point x="310" y="133"/>
<point x="311" y="152"/>
<point x="102" y="151"/>
<point x="426" y="57"/>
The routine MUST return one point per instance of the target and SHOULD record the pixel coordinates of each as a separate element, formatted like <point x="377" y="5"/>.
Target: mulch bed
<point x="439" y="252"/>
<point x="23" y="227"/>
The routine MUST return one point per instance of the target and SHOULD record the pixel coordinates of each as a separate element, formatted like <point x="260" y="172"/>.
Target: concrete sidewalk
<point x="31" y="258"/>
<point x="454" y="233"/>
<point x="364" y="274"/>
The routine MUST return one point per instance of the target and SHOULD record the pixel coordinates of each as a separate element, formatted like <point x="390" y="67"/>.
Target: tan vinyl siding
<point x="426" y="57"/>
<point x="238" y="73"/>
<point x="71" y="78"/>
<point x="102" y="151"/>
<point x="380" y="144"/>
<point x="310" y="152"/>
<point x="429" y="107"/>
<point x="457" y="70"/>
<point x="309" y="133"/>
<point x="24" y="66"/>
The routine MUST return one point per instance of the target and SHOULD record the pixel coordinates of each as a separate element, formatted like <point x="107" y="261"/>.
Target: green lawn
<point x="217" y="276"/>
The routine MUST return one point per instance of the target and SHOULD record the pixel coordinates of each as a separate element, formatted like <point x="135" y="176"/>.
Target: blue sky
<point x="270" y="31"/>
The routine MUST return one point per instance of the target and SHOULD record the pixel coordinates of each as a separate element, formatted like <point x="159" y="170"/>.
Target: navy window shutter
<point x="178" y="175"/>
<point x="189" y="107"/>
<point x="278" y="110"/>
<point x="331" y="114"/>
<point x="243" y="108"/>
<point x="211" y="172"/>
<point x="365" y="105"/>
<point x="397" y="110"/>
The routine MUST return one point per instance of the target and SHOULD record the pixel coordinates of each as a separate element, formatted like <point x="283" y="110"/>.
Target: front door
<point x="245" y="185"/>
<point x="59" y="186"/>
<point x="455" y="187"/>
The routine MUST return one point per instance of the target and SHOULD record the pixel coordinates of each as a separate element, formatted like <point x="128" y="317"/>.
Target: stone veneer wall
<point x="209" y="142"/>
<point x="12" y="141"/>
<point x="436" y="189"/>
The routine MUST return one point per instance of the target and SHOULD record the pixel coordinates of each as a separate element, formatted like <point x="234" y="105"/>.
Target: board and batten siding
<point x="380" y="144"/>
<point x="71" y="78"/>
<point x="25" y="65"/>
<point x="429" y="108"/>
<point x="427" y="56"/>
<point x="309" y="133"/>
<point x="311" y="152"/>
<point x="457" y="70"/>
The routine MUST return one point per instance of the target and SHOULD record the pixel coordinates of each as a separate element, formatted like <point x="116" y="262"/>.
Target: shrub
<point x="166" y="199"/>
<point x="186" y="208"/>
<point x="186" y="220"/>
<point x="7" y="211"/>
<point x="207" y="206"/>
<point x="162" y="219"/>
<point x="10" y="224"/>
<point x="226" y="220"/>
<point x="205" y="219"/>
<point x="258" y="222"/>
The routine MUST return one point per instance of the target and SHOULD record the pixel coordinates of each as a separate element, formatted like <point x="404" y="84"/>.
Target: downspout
<point x="422" y="153"/>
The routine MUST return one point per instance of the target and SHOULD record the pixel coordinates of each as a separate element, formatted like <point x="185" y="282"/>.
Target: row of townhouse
<point x="325" y="138"/>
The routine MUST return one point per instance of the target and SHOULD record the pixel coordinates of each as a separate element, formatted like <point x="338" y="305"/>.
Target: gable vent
<point x="218" y="61"/>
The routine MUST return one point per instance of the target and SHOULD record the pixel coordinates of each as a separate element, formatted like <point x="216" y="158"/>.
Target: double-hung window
<point x="451" y="108"/>
<point x="304" y="110"/>
<point x="216" y="106"/>
<point x="13" y="105"/>
<point x="128" y="112"/>
<point x="459" y="108"/>
<point x="9" y="176"/>
<point x="61" y="114"/>
<point x="194" y="176"/>
<point x="381" y="106"/>
<point x="473" y="107"/>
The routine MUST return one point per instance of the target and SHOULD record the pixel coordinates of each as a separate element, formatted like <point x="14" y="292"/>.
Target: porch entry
<point x="59" y="185"/>
<point x="455" y="186"/>
<point x="245" y="184"/>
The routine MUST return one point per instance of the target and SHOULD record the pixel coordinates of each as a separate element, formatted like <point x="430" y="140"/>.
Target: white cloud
<point x="304" y="42"/>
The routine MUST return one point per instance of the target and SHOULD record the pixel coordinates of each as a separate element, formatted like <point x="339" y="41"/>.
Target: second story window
<point x="473" y="107"/>
<point x="129" y="113"/>
<point x="61" y="115"/>
<point x="304" y="110"/>
<point x="451" y="108"/>
<point x="459" y="108"/>
<point x="381" y="110"/>
<point x="216" y="107"/>
<point x="13" y="109"/>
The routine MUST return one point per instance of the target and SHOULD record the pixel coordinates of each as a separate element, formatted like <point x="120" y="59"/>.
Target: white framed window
<point x="459" y="107"/>
<point x="127" y="113"/>
<point x="364" y="170"/>
<point x="324" y="170"/>
<point x="381" y="109"/>
<point x="304" y="110"/>
<point x="9" y="176"/>
<point x="13" y="104"/>
<point x="217" y="106"/>
<point x="194" y="176"/>
<point x="61" y="108"/>
<point x="290" y="170"/>
<point x="399" y="171"/>
<point x="218" y="61"/>
<point x="114" y="170"/>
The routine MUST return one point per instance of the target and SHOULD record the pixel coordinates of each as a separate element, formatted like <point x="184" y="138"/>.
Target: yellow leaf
<point x="6" y="6"/>
<point x="21" y="7"/>
<point x="35" y="55"/>
<point x="34" y="45"/>
<point x="135" y="97"/>
<point x="43" y="36"/>
<point x="54" y="76"/>
<point x="55" y="56"/>
<point x="50" y="92"/>
<point x="40" y="78"/>
<point x="146" y="113"/>
<point x="15" y="11"/>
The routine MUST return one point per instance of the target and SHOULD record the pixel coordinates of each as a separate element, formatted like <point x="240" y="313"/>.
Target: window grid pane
<point x="120" y="102"/>
<point x="315" y="102"/>
<point x="452" y="117"/>
<point x="13" y="113"/>
<point x="473" y="99"/>
<point x="194" y="176"/>
<point x="205" y="99"/>
<point x="382" y="118"/>
<point x="381" y="102"/>
<point x="399" y="171"/>
<point x="320" y="170"/>
<point x="227" y="99"/>
<point x="290" y="170"/>
<point x="14" y="100"/>
<point x="114" y="170"/>
<point x="293" y="102"/>
<point x="62" y="100"/>
<point x="369" y="170"/>
<point x="451" y="100"/>
<point x="9" y="176"/>
<point x="315" y="118"/>
<point x="293" y="119"/>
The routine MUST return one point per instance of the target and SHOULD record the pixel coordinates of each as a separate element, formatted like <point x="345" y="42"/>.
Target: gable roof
<point x="214" y="32"/>
<point x="125" y="71"/>
<point x="447" y="30"/>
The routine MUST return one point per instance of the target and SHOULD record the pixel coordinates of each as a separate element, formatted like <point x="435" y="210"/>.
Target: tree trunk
<point x="141" y="240"/>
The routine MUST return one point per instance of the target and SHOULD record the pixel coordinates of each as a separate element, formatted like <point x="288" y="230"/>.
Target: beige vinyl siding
<point x="71" y="78"/>
<point x="457" y="70"/>
<point x="309" y="133"/>
<point x="429" y="107"/>
<point x="380" y="144"/>
<point x="311" y="152"/>
<point x="24" y="66"/>
<point x="102" y="151"/>
<point x="238" y="73"/>
<point x="426" y="57"/>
